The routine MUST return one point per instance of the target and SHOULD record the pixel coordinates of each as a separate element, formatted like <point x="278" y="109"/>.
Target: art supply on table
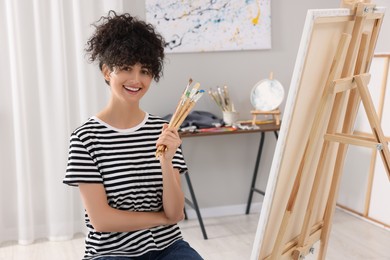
<point x="266" y="96"/>
<point x="217" y="129"/>
<point x="187" y="101"/>
<point x="230" y="117"/>
<point x="222" y="98"/>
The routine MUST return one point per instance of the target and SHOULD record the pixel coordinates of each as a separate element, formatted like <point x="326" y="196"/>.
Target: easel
<point x="347" y="81"/>
<point x="275" y="113"/>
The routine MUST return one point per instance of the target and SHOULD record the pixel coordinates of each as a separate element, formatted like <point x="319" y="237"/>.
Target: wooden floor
<point x="232" y="238"/>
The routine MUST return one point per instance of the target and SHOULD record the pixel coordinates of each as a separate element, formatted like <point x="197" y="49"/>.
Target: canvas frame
<point x="322" y="33"/>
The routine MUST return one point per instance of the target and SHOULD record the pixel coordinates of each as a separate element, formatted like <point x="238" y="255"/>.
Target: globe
<point x="267" y="95"/>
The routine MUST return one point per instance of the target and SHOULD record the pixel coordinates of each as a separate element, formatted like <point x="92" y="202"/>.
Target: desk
<point x="263" y="128"/>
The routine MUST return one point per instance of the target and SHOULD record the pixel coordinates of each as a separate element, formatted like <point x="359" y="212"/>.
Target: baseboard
<point x="223" y="211"/>
<point x="364" y="218"/>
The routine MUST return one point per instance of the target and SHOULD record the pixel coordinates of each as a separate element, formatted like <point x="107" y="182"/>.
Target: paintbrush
<point x="186" y="103"/>
<point x="227" y="99"/>
<point x="182" y="99"/>
<point x="222" y="98"/>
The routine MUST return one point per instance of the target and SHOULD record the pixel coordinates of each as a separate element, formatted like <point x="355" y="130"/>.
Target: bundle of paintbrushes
<point x="222" y="99"/>
<point x="187" y="101"/>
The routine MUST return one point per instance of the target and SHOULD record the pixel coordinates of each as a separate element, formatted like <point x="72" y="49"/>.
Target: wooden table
<point x="262" y="129"/>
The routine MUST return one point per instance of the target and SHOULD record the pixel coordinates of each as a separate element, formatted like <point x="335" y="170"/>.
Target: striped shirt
<point x="123" y="160"/>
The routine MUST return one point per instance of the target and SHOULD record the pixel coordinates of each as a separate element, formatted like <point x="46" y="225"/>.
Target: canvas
<point x="202" y="26"/>
<point x="298" y="149"/>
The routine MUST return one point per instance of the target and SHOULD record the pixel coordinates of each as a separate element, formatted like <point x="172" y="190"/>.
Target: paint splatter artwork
<point x="214" y="25"/>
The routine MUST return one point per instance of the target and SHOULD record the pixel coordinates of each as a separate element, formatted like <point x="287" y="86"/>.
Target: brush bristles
<point x="222" y="98"/>
<point x="186" y="103"/>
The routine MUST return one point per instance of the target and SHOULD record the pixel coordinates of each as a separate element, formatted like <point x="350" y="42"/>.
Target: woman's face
<point x="128" y="84"/>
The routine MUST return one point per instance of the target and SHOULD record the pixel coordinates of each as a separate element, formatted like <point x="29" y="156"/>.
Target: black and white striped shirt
<point x="124" y="162"/>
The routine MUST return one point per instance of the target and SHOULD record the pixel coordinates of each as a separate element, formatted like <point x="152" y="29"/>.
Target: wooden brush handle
<point x="184" y="114"/>
<point x="177" y="121"/>
<point x="160" y="150"/>
<point x="176" y="117"/>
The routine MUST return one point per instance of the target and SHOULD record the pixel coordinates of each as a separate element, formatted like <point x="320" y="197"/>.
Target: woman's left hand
<point x="171" y="139"/>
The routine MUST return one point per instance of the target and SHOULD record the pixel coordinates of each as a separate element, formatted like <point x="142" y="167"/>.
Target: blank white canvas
<point x="380" y="196"/>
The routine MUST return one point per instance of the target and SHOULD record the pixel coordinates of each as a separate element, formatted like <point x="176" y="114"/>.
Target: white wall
<point x="383" y="44"/>
<point x="221" y="167"/>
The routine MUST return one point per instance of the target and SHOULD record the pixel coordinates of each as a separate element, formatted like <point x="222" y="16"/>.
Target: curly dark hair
<point x="123" y="40"/>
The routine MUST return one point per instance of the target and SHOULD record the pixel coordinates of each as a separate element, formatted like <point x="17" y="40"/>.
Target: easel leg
<point x="353" y="105"/>
<point x="331" y="203"/>
<point x="359" y="44"/>
<point x="362" y="82"/>
<point x="308" y="220"/>
<point x="365" y="52"/>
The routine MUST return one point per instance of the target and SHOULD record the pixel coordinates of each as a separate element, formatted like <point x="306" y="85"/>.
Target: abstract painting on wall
<point x="211" y="25"/>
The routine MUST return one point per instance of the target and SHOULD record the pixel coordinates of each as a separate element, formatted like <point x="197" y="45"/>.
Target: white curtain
<point x="47" y="89"/>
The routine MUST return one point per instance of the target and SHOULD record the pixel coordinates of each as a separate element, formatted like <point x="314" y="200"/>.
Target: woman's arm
<point x="173" y="196"/>
<point x="107" y="219"/>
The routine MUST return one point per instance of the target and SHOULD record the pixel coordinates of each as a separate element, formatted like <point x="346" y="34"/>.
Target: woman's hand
<point x="171" y="139"/>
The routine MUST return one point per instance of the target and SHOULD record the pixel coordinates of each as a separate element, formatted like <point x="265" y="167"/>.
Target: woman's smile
<point x="131" y="89"/>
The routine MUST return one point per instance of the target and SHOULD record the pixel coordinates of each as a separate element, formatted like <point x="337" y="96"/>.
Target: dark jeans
<point x="180" y="250"/>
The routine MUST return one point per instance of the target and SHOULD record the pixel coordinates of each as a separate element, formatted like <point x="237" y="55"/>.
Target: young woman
<point x="133" y="201"/>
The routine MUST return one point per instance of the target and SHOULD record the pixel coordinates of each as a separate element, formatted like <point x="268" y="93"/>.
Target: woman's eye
<point x="146" y="72"/>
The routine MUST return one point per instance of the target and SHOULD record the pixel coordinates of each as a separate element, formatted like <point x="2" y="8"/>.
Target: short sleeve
<point x="179" y="162"/>
<point x="81" y="167"/>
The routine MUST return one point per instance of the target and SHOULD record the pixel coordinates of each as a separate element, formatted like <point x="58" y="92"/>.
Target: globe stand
<point x="275" y="113"/>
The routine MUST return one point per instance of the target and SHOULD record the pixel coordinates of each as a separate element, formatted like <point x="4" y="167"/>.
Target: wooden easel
<point x="347" y="80"/>
<point x="275" y="113"/>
